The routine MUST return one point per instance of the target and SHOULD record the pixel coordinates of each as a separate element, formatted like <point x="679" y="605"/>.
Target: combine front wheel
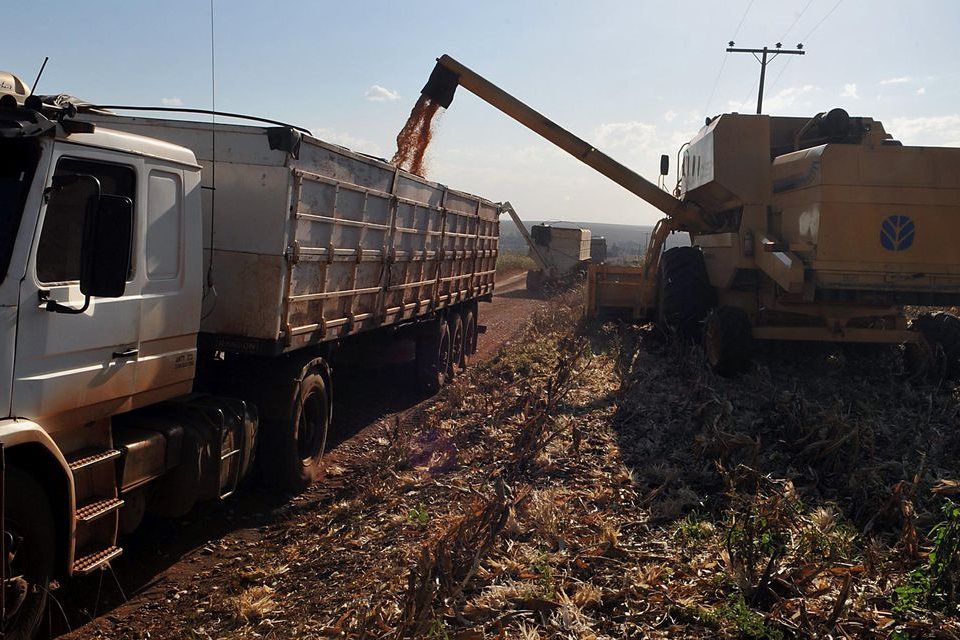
<point x="685" y="293"/>
<point x="727" y="340"/>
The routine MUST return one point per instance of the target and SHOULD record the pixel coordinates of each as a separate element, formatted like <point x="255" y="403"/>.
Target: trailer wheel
<point x="938" y="352"/>
<point x="293" y="447"/>
<point x="28" y="530"/>
<point x="458" y="345"/>
<point x="469" y="336"/>
<point x="433" y="356"/>
<point x="727" y="340"/>
<point x="685" y="294"/>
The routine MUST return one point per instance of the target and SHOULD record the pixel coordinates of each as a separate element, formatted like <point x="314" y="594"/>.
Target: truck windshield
<point x="18" y="162"/>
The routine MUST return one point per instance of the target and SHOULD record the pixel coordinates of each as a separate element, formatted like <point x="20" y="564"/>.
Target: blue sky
<point x="635" y="78"/>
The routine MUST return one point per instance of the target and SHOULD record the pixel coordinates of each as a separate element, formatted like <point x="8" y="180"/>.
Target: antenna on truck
<point x="39" y="73"/>
<point x="211" y="289"/>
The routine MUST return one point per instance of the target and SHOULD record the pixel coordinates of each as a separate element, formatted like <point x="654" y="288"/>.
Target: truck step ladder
<point x="98" y="507"/>
<point x="93" y="457"/>
<point x="92" y="562"/>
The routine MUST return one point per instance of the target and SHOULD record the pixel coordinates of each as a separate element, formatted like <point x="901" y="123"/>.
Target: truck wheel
<point x="938" y="352"/>
<point x="685" y="294"/>
<point x="293" y="447"/>
<point x="458" y="347"/>
<point x="469" y="336"/>
<point x="535" y="281"/>
<point x="30" y="542"/>
<point x="727" y="340"/>
<point x="433" y="356"/>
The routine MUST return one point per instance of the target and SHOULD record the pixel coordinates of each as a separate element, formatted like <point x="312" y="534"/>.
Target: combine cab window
<point x="58" y="253"/>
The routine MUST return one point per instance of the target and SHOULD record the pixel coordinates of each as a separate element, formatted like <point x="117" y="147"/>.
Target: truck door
<point x="72" y="368"/>
<point x="170" y="283"/>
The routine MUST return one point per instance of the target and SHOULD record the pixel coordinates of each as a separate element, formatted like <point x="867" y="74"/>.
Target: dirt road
<point x="164" y="556"/>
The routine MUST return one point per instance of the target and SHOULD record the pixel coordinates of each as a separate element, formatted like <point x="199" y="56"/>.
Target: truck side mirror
<point x="107" y="247"/>
<point x="664" y="164"/>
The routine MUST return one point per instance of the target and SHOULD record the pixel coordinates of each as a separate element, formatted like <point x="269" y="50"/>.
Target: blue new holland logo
<point x="897" y="232"/>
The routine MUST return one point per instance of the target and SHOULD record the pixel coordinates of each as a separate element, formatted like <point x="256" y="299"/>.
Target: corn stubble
<point x="597" y="482"/>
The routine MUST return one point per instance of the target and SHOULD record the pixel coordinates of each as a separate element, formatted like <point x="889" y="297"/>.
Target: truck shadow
<point x="164" y="553"/>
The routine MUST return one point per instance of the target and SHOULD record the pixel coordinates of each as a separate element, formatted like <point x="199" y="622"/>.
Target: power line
<point x="727" y="55"/>
<point x="823" y="19"/>
<point x="796" y="20"/>
<point x="806" y="39"/>
<point x="742" y="18"/>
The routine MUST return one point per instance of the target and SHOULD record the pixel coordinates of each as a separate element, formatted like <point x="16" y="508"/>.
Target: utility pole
<point x="763" y="61"/>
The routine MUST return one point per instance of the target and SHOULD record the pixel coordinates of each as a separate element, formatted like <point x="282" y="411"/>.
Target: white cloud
<point x="921" y="91"/>
<point x="376" y="93"/>
<point x="171" y="102"/>
<point x="348" y="140"/>
<point x="900" y="80"/>
<point x="670" y="116"/>
<point x="934" y="130"/>
<point x="850" y="91"/>
<point x="631" y="135"/>
<point x="791" y="98"/>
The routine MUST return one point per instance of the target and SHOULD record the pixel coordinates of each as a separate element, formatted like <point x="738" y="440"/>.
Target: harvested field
<point x="599" y="482"/>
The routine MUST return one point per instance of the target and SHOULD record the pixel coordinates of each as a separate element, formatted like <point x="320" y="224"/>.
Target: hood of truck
<point x="8" y="340"/>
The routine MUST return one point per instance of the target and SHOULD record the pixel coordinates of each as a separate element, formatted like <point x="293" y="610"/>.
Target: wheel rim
<point x="469" y="333"/>
<point x="443" y="358"/>
<point x="456" y="349"/>
<point x="310" y="429"/>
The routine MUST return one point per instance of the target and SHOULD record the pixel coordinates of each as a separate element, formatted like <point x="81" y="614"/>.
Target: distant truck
<point x="172" y="296"/>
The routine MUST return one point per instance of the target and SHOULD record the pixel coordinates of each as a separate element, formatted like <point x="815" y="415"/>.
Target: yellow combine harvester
<point x="817" y="229"/>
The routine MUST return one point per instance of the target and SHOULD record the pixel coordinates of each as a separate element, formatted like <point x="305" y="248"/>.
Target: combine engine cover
<point x="872" y="221"/>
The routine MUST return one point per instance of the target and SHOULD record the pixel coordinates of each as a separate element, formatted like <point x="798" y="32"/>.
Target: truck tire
<point x="29" y="524"/>
<point x="458" y="346"/>
<point x="433" y="355"/>
<point x="938" y="352"/>
<point x="727" y="340"/>
<point x="292" y="448"/>
<point x="685" y="295"/>
<point x="469" y="336"/>
<point x="535" y="282"/>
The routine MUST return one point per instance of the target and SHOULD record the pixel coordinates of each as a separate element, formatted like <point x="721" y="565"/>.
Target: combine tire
<point x="727" y="340"/>
<point x="29" y="530"/>
<point x="433" y="355"/>
<point x="685" y="293"/>
<point x="938" y="352"/>
<point x="293" y="447"/>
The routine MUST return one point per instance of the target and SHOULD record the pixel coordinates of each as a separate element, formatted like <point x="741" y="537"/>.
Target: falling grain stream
<point x="414" y="138"/>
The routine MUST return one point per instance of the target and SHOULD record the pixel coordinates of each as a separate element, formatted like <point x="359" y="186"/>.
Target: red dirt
<point x="414" y="138"/>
